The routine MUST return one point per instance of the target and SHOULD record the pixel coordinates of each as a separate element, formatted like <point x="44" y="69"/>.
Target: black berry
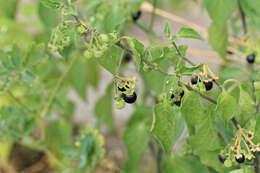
<point x="127" y="57"/>
<point x="172" y="96"/>
<point x="222" y="158"/>
<point x="240" y="159"/>
<point x="251" y="58"/>
<point x="182" y="94"/>
<point x="121" y="89"/>
<point x="129" y="98"/>
<point x="177" y="103"/>
<point x="136" y="16"/>
<point x="194" y="80"/>
<point x="229" y="52"/>
<point x="208" y="85"/>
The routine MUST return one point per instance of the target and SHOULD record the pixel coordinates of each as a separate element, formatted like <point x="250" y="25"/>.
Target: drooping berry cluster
<point x="125" y="91"/>
<point x="176" y="97"/>
<point x="205" y="78"/>
<point x="242" y="149"/>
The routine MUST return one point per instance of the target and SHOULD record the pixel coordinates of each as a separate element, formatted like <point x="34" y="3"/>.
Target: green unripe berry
<point x="120" y="104"/>
<point x="88" y="54"/>
<point x="103" y="38"/>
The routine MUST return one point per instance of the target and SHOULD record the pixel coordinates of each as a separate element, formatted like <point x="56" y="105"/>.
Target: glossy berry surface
<point x="251" y="58"/>
<point x="208" y="85"/>
<point x="136" y="16"/>
<point x="182" y="94"/>
<point x="177" y="103"/>
<point x="129" y="98"/>
<point x="194" y="80"/>
<point x="240" y="159"/>
<point x="127" y="57"/>
<point x="222" y="158"/>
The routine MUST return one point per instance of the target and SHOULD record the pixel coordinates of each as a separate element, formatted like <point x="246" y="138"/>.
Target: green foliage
<point x="164" y="126"/>
<point x="136" y="136"/>
<point x="103" y="108"/>
<point x="188" y="33"/>
<point x="218" y="38"/>
<point x="43" y="58"/>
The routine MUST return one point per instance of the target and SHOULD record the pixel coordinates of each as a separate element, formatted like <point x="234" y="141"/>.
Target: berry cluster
<point x="203" y="76"/>
<point x="125" y="91"/>
<point x="60" y="37"/>
<point x="177" y="98"/>
<point x="242" y="149"/>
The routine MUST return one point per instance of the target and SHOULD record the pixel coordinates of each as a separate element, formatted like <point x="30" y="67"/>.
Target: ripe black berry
<point x="222" y="158"/>
<point x="229" y="52"/>
<point x="129" y="99"/>
<point x="121" y="89"/>
<point x="251" y="58"/>
<point x="177" y="103"/>
<point x="240" y="159"/>
<point x="208" y="85"/>
<point x="127" y="57"/>
<point x="136" y="16"/>
<point x="182" y="94"/>
<point x="194" y="80"/>
<point x="172" y="96"/>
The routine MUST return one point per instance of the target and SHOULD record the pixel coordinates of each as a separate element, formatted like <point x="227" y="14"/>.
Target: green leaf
<point x="137" y="48"/>
<point x="113" y="18"/>
<point x="155" y="79"/>
<point x="48" y="16"/>
<point x="77" y="77"/>
<point x="220" y="10"/>
<point x="246" y="107"/>
<point x="257" y="129"/>
<point x="92" y="73"/>
<point x="58" y="133"/>
<point x="8" y="8"/>
<point x="178" y="164"/>
<point x="137" y="135"/>
<point x="188" y="33"/>
<point x="103" y="108"/>
<point x="192" y="114"/>
<point x="35" y="55"/>
<point x="189" y="70"/>
<point x="206" y="137"/>
<point x="167" y="30"/>
<point x="110" y="59"/>
<point x="51" y="3"/>
<point x="226" y="106"/>
<point x="218" y="38"/>
<point x="164" y="125"/>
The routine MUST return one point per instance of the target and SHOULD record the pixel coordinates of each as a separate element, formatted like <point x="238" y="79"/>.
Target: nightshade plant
<point x="220" y="112"/>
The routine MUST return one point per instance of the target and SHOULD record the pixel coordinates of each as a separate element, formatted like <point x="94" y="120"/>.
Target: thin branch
<point x="55" y="90"/>
<point x="243" y="17"/>
<point x="18" y="101"/>
<point x="256" y="162"/>
<point x="190" y="62"/>
<point x="153" y="16"/>
<point x="156" y="68"/>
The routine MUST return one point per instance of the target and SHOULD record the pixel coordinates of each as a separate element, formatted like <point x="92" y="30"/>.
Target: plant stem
<point x="18" y="101"/>
<point x="153" y="16"/>
<point x="190" y="62"/>
<point x="243" y="17"/>
<point x="54" y="91"/>
<point x="256" y="162"/>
